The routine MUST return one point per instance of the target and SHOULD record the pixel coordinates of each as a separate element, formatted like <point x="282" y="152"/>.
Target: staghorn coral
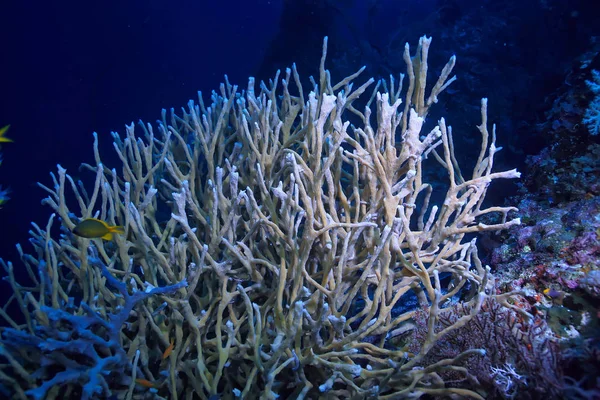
<point x="78" y="349"/>
<point x="293" y="248"/>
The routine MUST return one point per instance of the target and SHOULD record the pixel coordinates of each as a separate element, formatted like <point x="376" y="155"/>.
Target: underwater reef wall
<point x="277" y="243"/>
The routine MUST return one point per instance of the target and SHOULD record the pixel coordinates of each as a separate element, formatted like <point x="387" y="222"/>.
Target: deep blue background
<point x="70" y="68"/>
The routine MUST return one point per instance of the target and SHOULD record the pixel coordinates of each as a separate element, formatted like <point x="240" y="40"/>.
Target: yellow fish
<point x="94" y="228"/>
<point x="557" y="296"/>
<point x="4" y="139"/>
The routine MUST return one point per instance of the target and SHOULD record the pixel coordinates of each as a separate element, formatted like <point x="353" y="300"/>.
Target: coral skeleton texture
<point x="283" y="239"/>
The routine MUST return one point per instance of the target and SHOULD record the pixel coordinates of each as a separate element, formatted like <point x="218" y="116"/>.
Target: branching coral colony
<point x="274" y="243"/>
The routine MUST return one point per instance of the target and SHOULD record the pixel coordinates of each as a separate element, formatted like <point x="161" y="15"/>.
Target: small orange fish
<point x="169" y="349"/>
<point x="145" y="383"/>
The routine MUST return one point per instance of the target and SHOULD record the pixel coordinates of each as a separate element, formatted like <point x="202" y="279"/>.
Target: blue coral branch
<point x="73" y="344"/>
